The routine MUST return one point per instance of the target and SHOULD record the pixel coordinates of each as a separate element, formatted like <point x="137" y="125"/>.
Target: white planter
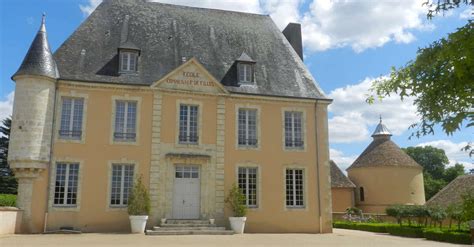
<point x="211" y="221"/>
<point x="163" y="221"/>
<point x="138" y="223"/>
<point x="237" y="224"/>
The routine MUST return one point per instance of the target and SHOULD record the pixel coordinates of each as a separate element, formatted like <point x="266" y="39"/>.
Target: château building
<point x="193" y="100"/>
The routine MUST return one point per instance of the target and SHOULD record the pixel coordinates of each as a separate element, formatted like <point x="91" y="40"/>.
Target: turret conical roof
<point x="39" y="59"/>
<point x="383" y="152"/>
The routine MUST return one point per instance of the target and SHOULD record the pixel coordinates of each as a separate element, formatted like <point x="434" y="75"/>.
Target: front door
<point x="187" y="192"/>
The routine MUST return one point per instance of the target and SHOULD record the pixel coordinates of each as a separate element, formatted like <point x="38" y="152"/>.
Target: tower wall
<point x="385" y="186"/>
<point x="30" y="141"/>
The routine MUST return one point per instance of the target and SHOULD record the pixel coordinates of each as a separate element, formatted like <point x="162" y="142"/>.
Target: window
<point x="293" y="129"/>
<point x="294" y="188"/>
<point x="122" y="183"/>
<point x="247" y="180"/>
<point x="245" y="73"/>
<point x="71" y="118"/>
<point x="188" y="124"/>
<point x="128" y="61"/>
<point x="125" y="121"/>
<point x="187" y="171"/>
<point x="247" y="127"/>
<point x="361" y="194"/>
<point x="65" y="186"/>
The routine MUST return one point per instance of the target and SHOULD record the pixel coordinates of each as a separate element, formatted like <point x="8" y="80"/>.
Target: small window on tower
<point x="128" y="61"/>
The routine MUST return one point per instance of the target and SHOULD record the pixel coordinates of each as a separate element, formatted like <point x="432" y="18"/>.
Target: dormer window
<point x="245" y="69"/>
<point x="245" y="72"/>
<point x="128" y="61"/>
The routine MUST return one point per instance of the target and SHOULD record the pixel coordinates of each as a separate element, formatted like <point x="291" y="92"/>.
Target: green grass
<point x="7" y="200"/>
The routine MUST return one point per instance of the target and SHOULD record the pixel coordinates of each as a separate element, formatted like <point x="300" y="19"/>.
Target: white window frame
<point x="66" y="184"/>
<point x="127" y="97"/>
<point x="246" y="170"/>
<point x="122" y="182"/>
<point x="70" y="136"/>
<point x="188" y="131"/>
<point x="293" y="185"/>
<point x="245" y="73"/>
<point x="247" y="141"/>
<point x="128" y="55"/>
<point x="304" y="132"/>
<point x="292" y="131"/>
<point x="236" y="121"/>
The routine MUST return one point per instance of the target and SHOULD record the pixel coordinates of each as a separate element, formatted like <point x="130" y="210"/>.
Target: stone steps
<point x="188" y="227"/>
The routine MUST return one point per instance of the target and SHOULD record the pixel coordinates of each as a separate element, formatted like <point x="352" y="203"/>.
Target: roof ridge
<point x="211" y="9"/>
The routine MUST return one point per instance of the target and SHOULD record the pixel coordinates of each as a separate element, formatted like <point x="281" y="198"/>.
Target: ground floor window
<point x="247" y="179"/>
<point x="294" y="188"/>
<point x="121" y="184"/>
<point x="65" y="185"/>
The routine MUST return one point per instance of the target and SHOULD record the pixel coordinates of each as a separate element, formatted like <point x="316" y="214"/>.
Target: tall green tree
<point x="435" y="171"/>
<point x="8" y="183"/>
<point x="441" y="78"/>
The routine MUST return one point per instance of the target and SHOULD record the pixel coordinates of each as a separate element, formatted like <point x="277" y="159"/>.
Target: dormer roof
<point x="39" y="60"/>
<point x="245" y="58"/>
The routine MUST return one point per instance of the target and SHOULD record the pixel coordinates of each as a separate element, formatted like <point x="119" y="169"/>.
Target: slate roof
<point x="166" y="33"/>
<point x="39" y="59"/>
<point x="338" y="179"/>
<point x="383" y="152"/>
<point x="453" y="192"/>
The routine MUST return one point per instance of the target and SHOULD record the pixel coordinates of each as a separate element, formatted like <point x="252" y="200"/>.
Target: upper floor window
<point x="71" y="118"/>
<point x="66" y="184"/>
<point x="247" y="127"/>
<point x="128" y="61"/>
<point x="125" y="121"/>
<point x="294" y="188"/>
<point x="188" y="124"/>
<point x="245" y="72"/>
<point x="121" y="184"/>
<point x="294" y="129"/>
<point x="361" y="194"/>
<point x="247" y="179"/>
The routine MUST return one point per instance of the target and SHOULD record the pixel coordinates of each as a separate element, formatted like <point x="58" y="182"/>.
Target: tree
<point x="8" y="183"/>
<point x="433" y="160"/>
<point x="441" y="79"/>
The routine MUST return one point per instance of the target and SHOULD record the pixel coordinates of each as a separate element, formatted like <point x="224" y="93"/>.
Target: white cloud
<point x="453" y="151"/>
<point x="467" y="13"/>
<point x="353" y="116"/>
<point x="343" y="161"/>
<point x="6" y="106"/>
<point x="330" y="23"/>
<point x="361" y="24"/>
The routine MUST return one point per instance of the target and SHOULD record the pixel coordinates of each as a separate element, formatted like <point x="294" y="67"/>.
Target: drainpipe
<point x="317" y="167"/>
<point x="51" y="156"/>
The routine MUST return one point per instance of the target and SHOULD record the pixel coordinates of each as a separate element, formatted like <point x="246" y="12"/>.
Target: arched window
<point x="361" y="194"/>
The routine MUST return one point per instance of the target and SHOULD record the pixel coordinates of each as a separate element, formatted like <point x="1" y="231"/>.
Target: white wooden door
<point x="187" y="192"/>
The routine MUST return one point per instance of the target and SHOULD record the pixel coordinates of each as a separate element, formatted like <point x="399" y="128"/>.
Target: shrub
<point x="437" y="214"/>
<point x="236" y="201"/>
<point x="405" y="231"/>
<point x="139" y="200"/>
<point x="369" y="227"/>
<point x="468" y="206"/>
<point x="7" y="200"/>
<point x="455" y="212"/>
<point x="396" y="211"/>
<point x="447" y="236"/>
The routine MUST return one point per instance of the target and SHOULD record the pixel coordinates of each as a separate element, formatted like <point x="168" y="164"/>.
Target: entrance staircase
<point x="188" y="227"/>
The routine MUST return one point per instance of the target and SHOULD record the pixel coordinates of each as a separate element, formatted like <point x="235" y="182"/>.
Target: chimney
<point x="292" y="33"/>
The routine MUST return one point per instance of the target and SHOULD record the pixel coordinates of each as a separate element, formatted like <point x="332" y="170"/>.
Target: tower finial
<point x="380" y="118"/>
<point x="43" y="23"/>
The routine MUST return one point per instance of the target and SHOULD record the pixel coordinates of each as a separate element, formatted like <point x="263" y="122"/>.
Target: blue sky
<point x="347" y="45"/>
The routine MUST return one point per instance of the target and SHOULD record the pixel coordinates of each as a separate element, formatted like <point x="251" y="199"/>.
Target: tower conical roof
<point x="39" y="59"/>
<point x="338" y="179"/>
<point x="383" y="152"/>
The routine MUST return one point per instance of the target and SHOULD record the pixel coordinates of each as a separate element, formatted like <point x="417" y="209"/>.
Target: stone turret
<point x="32" y="121"/>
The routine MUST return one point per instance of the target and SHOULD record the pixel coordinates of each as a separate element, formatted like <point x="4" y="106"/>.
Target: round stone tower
<point x="385" y="175"/>
<point x="32" y="121"/>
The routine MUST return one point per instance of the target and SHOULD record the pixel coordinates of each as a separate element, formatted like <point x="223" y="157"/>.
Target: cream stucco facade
<point x="156" y="151"/>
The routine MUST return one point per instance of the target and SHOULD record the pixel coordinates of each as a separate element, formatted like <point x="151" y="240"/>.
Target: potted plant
<point x="236" y="201"/>
<point x="138" y="207"/>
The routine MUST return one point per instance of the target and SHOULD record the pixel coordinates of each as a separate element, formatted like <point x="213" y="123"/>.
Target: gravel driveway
<point x="340" y="237"/>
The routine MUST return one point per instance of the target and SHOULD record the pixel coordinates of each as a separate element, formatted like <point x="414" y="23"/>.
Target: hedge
<point x="447" y="236"/>
<point x="405" y="231"/>
<point x="7" y="200"/>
